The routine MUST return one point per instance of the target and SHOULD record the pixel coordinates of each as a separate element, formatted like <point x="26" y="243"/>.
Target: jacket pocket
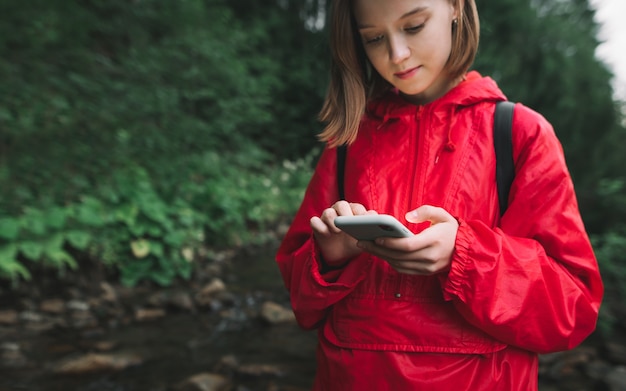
<point x="405" y="324"/>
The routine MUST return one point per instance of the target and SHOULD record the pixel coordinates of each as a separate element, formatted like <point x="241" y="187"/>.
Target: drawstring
<point x="449" y="145"/>
<point x="385" y="118"/>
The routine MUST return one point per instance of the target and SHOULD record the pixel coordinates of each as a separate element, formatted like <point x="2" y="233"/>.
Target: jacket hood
<point x="473" y="89"/>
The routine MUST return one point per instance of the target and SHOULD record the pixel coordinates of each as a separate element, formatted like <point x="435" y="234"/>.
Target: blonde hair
<point x="353" y="81"/>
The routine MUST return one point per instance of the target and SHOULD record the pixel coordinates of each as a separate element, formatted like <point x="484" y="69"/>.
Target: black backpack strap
<point x="341" y="164"/>
<point x="503" y="144"/>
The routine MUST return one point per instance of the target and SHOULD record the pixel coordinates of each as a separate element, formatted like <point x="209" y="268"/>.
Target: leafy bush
<point x="129" y="226"/>
<point x="611" y="253"/>
<point x="126" y="134"/>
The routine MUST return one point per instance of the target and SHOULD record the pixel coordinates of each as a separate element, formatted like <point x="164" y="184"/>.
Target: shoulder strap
<point x="341" y="163"/>
<point x="503" y="144"/>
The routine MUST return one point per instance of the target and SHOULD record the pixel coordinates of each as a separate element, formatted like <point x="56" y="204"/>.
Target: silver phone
<point x="370" y="227"/>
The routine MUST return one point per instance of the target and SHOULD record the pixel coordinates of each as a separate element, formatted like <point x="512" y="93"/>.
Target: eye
<point x="414" y="29"/>
<point x="373" y="40"/>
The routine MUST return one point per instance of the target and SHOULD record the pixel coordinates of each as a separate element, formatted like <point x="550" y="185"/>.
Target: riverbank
<point x="229" y="328"/>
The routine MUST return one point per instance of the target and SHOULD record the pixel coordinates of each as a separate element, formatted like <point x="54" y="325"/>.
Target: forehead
<point x="367" y="12"/>
<point x="398" y="8"/>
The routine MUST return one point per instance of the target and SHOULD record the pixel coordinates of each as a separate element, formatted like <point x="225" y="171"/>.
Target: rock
<point x="204" y="382"/>
<point x="96" y="362"/>
<point x="215" y="286"/>
<point x="227" y="364"/>
<point x="597" y="369"/>
<point x="11" y="356"/>
<point x="100" y="346"/>
<point x="26" y="304"/>
<point x="78" y="305"/>
<point x="258" y="370"/>
<point x="179" y="300"/>
<point x="616" y="352"/>
<point x="546" y="361"/>
<point x="59" y="348"/>
<point x="44" y="325"/>
<point x="31" y="316"/>
<point x="83" y="319"/>
<point x="182" y="301"/>
<point x="208" y="295"/>
<point x="108" y="292"/>
<point x="9" y="317"/>
<point x="560" y="365"/>
<point x="148" y="314"/>
<point x="291" y="388"/>
<point x="616" y="379"/>
<point x="275" y="387"/>
<point x="52" y="306"/>
<point x="274" y="313"/>
<point x="37" y="322"/>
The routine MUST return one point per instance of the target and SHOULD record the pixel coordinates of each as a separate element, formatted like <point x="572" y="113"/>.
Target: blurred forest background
<point x="137" y="134"/>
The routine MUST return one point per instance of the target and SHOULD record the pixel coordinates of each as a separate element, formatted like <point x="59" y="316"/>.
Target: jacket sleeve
<point x="312" y="291"/>
<point x="534" y="281"/>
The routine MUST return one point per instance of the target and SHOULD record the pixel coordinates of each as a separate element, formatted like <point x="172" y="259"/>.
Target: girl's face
<point x="408" y="42"/>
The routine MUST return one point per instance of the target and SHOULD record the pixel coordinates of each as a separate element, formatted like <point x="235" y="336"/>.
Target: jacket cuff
<point x="326" y="268"/>
<point x="329" y="273"/>
<point x="456" y="279"/>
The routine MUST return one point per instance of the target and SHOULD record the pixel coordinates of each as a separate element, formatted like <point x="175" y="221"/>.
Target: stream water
<point x="181" y="345"/>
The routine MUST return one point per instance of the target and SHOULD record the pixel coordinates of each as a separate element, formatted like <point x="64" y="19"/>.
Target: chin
<point x="411" y="93"/>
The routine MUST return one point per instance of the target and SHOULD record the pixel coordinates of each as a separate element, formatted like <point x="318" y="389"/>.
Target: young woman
<point x="469" y="301"/>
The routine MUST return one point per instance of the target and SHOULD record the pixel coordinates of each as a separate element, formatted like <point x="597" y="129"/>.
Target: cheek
<point x="437" y="46"/>
<point x="378" y="59"/>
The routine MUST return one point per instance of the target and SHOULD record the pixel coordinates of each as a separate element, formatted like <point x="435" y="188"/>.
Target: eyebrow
<point x="406" y="15"/>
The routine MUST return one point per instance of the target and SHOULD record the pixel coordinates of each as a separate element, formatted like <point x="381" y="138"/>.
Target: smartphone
<point x="370" y="227"/>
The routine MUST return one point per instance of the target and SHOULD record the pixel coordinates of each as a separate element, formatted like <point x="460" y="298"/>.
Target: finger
<point x="428" y="213"/>
<point x="318" y="226"/>
<point x="404" y="245"/>
<point x="357" y="209"/>
<point x="399" y="249"/>
<point x="329" y="214"/>
<point x="342" y="208"/>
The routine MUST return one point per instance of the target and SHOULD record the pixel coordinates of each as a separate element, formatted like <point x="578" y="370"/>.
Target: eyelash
<point x="415" y="29"/>
<point x="410" y="30"/>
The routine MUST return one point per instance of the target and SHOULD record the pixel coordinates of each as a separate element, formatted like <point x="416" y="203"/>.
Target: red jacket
<point x="524" y="284"/>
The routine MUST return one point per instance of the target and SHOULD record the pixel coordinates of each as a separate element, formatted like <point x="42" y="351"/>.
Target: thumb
<point x="427" y="213"/>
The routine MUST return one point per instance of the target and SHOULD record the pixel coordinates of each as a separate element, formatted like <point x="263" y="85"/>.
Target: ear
<point x="458" y="6"/>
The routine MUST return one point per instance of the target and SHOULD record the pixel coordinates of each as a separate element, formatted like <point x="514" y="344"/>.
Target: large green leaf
<point x="9" y="228"/>
<point x="55" y="217"/>
<point x="60" y="259"/>
<point x="32" y="250"/>
<point x="78" y="239"/>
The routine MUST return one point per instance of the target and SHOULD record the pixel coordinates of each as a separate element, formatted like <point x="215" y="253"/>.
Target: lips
<point x="406" y="74"/>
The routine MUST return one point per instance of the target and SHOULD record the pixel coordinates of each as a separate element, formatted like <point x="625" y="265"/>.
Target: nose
<point x="398" y="50"/>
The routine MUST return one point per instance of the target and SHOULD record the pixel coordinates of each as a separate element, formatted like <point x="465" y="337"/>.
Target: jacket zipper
<point x="417" y="141"/>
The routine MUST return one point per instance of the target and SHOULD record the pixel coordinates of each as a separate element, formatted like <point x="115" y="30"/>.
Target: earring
<point x="455" y="22"/>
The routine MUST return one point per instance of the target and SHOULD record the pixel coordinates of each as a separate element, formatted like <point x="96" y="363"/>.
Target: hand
<point x="335" y="245"/>
<point x="426" y="253"/>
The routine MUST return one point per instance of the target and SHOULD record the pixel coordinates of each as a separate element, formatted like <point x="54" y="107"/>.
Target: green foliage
<point x="126" y="133"/>
<point x="127" y="225"/>
<point x="611" y="253"/>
